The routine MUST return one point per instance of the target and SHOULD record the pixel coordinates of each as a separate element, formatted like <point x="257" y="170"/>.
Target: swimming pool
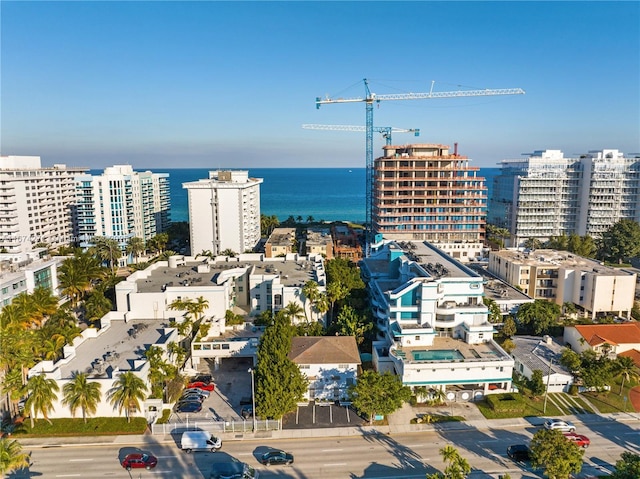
<point x="437" y="355"/>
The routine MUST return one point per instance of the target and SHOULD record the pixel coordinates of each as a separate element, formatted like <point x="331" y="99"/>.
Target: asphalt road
<point x="375" y="456"/>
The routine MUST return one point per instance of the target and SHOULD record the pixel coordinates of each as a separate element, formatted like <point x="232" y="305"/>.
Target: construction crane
<point x="369" y="99"/>
<point x="385" y="130"/>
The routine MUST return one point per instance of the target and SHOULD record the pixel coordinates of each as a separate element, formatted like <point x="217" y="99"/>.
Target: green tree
<point x="457" y="466"/>
<point x="107" y="250"/>
<point x="229" y="252"/>
<point x="96" y="306"/>
<point x="625" y="368"/>
<point x="350" y="323"/>
<point x="536" y="384"/>
<point x="495" y="315"/>
<point x="596" y="372"/>
<point x="627" y="467"/>
<point x="620" y="242"/>
<point x="509" y="328"/>
<point x="294" y="312"/>
<point x="310" y="293"/>
<point x="558" y="457"/>
<point x="344" y="271"/>
<point x="135" y="247"/>
<point x="376" y="393"/>
<point x="508" y="345"/>
<point x="127" y="392"/>
<point x="336" y="291"/>
<point x="279" y="384"/>
<point x="571" y="360"/>
<point x="42" y="394"/>
<point x="539" y="316"/>
<point x="81" y="393"/>
<point x="11" y="456"/>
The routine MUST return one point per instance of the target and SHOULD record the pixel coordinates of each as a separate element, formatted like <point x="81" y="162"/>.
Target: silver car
<point x="560" y="425"/>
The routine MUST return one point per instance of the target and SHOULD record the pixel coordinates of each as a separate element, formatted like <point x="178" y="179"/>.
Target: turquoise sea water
<point x="330" y="194"/>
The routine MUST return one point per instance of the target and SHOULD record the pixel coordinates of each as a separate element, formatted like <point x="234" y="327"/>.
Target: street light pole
<point x="253" y="398"/>
<point x="546" y="391"/>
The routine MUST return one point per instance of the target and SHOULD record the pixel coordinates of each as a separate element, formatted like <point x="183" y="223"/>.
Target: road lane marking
<point x="80" y="460"/>
<point x="68" y="475"/>
<point x="332" y="450"/>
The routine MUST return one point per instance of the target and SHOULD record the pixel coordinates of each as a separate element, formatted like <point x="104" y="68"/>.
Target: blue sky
<point x="229" y="84"/>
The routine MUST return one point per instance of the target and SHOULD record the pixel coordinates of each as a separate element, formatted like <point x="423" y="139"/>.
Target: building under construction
<point x="422" y="192"/>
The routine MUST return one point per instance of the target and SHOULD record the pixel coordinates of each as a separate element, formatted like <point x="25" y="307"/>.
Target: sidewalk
<point x="399" y="423"/>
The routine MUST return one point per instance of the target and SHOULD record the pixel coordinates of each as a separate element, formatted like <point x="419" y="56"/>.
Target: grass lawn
<point x="97" y="426"/>
<point x="534" y="407"/>
<point x="612" y="401"/>
<point x="434" y="418"/>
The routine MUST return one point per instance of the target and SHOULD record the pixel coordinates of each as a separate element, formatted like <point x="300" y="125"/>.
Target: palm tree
<point x="135" y="246"/>
<point x="80" y="393"/>
<point x="310" y="219"/>
<point x="206" y="253"/>
<point x="73" y="279"/>
<point x="127" y="392"/>
<point x="293" y="311"/>
<point x="625" y="368"/>
<point x="42" y="394"/>
<point x="336" y="291"/>
<point x="310" y="292"/>
<point x="45" y="303"/>
<point x="11" y="456"/>
<point x="228" y="252"/>
<point x="52" y="347"/>
<point x="107" y="249"/>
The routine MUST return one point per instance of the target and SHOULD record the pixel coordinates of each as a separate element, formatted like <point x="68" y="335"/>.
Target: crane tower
<point x="369" y="99"/>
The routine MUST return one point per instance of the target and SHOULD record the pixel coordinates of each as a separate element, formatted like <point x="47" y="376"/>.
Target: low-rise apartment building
<point x="564" y="277"/>
<point x="281" y="242"/>
<point x="435" y="331"/>
<point x="318" y="241"/>
<point x="347" y="242"/>
<point x="533" y="353"/>
<point x="604" y="339"/>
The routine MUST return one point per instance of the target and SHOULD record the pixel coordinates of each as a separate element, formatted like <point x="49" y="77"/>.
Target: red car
<point x="201" y="385"/>
<point x="578" y="439"/>
<point x="139" y="460"/>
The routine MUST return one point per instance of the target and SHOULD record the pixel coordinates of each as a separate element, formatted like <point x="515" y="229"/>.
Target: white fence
<point x="215" y="427"/>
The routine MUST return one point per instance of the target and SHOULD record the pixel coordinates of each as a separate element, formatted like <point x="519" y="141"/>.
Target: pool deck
<point x="474" y="352"/>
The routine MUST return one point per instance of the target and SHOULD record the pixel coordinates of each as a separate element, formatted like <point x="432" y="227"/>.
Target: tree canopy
<point x="620" y="242"/>
<point x="538" y="316"/>
<point x="279" y="384"/>
<point x="376" y="393"/>
<point x="558" y="457"/>
<point x="627" y="467"/>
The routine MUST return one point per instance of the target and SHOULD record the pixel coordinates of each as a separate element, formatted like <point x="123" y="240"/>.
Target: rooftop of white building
<point x="292" y="272"/>
<point x="539" y="353"/>
<point x="554" y="258"/>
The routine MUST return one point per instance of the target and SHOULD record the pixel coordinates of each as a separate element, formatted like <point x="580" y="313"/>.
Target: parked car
<point x="232" y="470"/>
<point x="201" y="385"/>
<point x="276" y="456"/>
<point x="560" y="425"/>
<point x="579" y="440"/>
<point x="191" y="397"/>
<point x="203" y="378"/>
<point x="519" y="452"/>
<point x="204" y="392"/>
<point x="189" y="406"/>
<point x="138" y="461"/>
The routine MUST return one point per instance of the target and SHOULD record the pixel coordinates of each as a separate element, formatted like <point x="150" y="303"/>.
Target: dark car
<point x="191" y="397"/>
<point x="138" y="461"/>
<point x="276" y="457"/>
<point x="246" y="412"/>
<point x="189" y="406"/>
<point x="203" y="378"/>
<point x="519" y="452"/>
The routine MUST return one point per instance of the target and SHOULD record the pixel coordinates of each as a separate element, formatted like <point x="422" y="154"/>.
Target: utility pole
<point x="546" y="391"/>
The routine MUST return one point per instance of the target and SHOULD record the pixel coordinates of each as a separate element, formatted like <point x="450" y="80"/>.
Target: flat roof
<point x="124" y="341"/>
<point x="470" y="352"/>
<point x="496" y="289"/>
<point x="292" y="273"/>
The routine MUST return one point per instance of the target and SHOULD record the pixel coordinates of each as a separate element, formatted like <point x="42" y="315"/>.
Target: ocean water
<point x="330" y="194"/>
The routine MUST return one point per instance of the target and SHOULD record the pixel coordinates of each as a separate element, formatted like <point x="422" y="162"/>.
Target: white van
<point x="199" y="441"/>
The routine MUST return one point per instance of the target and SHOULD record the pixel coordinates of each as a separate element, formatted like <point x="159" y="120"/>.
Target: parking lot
<point x="232" y="382"/>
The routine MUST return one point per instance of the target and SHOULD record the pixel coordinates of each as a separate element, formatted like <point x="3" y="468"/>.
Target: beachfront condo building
<point x="35" y="203"/>
<point x="121" y="204"/>
<point x="424" y="192"/>
<point x="224" y="212"/>
<point x="548" y="194"/>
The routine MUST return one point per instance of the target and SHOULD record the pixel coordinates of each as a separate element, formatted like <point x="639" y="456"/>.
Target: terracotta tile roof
<point x="324" y="350"/>
<point x="614" y="334"/>
<point x="633" y="354"/>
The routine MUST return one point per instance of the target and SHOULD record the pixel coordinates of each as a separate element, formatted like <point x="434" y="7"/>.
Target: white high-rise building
<point x="224" y="212"/>
<point x="548" y="194"/>
<point x="120" y="204"/>
<point x="35" y="203"/>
